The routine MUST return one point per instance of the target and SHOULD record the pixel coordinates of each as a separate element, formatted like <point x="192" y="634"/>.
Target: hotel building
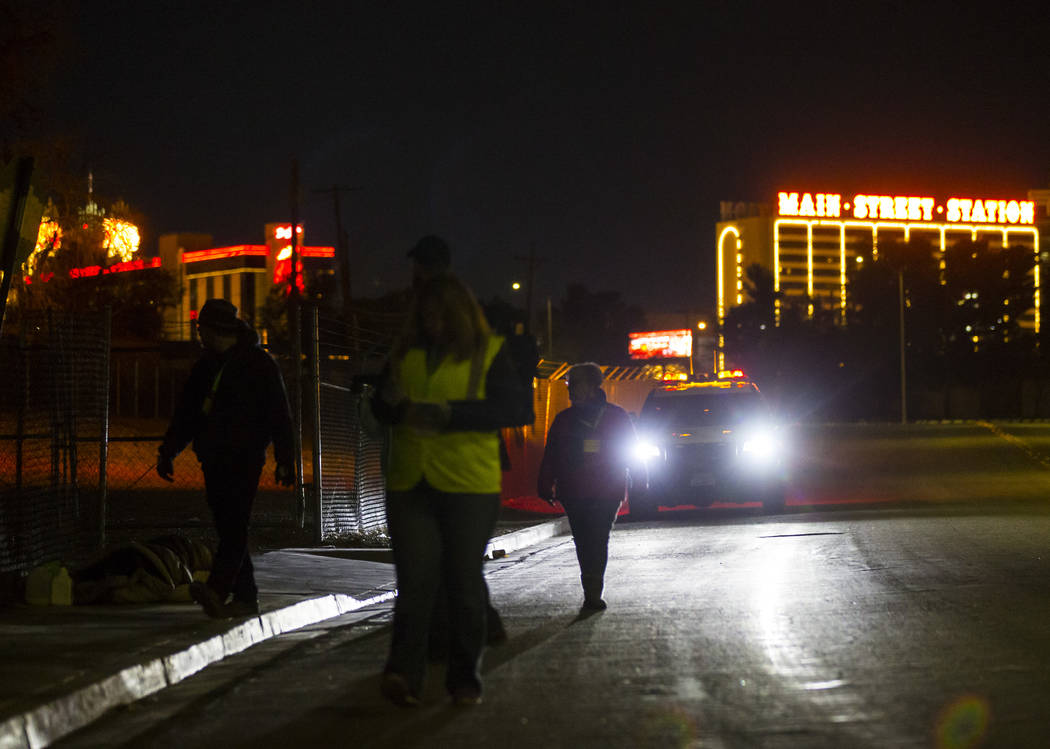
<point x="242" y="274"/>
<point x="808" y="239"/>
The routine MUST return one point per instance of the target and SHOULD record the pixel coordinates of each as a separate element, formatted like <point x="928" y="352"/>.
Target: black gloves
<point x="165" y="467"/>
<point x="284" y="475"/>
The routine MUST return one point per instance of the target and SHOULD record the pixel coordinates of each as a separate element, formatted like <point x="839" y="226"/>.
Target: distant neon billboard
<point x="661" y="344"/>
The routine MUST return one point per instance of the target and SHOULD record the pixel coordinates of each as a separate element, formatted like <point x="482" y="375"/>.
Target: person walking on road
<point x="232" y="406"/>
<point x="431" y="258"/>
<point x="449" y="387"/>
<point x="589" y="451"/>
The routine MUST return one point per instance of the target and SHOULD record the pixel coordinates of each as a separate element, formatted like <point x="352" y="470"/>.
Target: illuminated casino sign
<point x="810" y="241"/>
<point x="661" y="344"/>
<point x="954" y="210"/>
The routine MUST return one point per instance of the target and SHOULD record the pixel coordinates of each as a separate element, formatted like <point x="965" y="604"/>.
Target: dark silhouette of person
<point x="430" y="257"/>
<point x="589" y="451"/>
<point x="449" y="387"/>
<point x="232" y="406"/>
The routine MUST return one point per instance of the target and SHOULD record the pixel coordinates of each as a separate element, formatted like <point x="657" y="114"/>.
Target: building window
<point x="194" y="301"/>
<point x="248" y="297"/>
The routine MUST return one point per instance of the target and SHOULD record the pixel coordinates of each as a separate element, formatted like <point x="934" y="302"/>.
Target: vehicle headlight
<point x="645" y="450"/>
<point x="762" y="447"/>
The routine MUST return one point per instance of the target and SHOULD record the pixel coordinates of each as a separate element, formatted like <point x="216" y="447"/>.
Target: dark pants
<point x="591" y="521"/>
<point x="438" y="539"/>
<point x="231" y="484"/>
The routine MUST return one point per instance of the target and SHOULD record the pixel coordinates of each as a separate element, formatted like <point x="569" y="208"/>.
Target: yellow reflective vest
<point x="454" y="462"/>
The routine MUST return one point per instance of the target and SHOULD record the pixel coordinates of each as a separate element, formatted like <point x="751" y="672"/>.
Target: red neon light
<point x="317" y="251"/>
<point x="283" y="269"/>
<point x="285" y="231"/>
<point x="241" y="250"/>
<point x="90" y="271"/>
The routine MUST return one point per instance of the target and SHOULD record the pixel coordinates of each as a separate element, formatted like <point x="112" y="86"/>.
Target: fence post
<point x="103" y="445"/>
<point x="315" y="407"/>
<point x="136" y="392"/>
<point x="116" y="387"/>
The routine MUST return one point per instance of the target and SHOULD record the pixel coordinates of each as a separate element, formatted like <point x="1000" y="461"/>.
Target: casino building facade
<point x="242" y="274"/>
<point x="808" y="239"/>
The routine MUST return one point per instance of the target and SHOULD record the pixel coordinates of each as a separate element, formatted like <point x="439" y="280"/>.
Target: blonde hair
<point x="460" y="312"/>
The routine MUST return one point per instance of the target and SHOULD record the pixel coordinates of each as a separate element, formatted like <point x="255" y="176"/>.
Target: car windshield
<point x="704" y="409"/>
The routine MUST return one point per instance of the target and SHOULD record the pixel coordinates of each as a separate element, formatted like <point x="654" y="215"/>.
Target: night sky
<point x="604" y="134"/>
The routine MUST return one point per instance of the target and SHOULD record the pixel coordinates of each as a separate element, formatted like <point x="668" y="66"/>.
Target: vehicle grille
<point x="706" y="456"/>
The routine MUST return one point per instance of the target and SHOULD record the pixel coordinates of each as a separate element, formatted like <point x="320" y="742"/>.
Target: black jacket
<point x="248" y="411"/>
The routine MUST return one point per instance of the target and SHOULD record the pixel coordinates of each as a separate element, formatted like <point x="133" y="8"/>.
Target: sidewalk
<point x="63" y="667"/>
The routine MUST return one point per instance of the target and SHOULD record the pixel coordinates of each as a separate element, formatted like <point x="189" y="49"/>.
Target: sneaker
<point x="239" y="608"/>
<point x="208" y="599"/>
<point x="395" y="688"/>
<point x="466" y="696"/>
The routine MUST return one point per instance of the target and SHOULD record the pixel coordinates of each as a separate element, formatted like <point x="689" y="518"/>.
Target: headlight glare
<point x="645" y="450"/>
<point x="762" y="447"/>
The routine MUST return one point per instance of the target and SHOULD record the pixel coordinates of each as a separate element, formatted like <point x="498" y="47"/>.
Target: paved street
<point x="902" y="600"/>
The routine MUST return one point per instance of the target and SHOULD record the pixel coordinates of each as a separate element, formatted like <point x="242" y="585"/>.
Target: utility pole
<point x="342" y="246"/>
<point x="904" y="378"/>
<point x="550" y="331"/>
<point x="530" y="283"/>
<point x="295" y="331"/>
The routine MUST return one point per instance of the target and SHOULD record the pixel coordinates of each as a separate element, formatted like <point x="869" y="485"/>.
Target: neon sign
<point x="282" y="268"/>
<point x="218" y="253"/>
<point x="661" y="344"/>
<point x="907" y="208"/>
<point x="285" y="232"/>
<point x="90" y="271"/>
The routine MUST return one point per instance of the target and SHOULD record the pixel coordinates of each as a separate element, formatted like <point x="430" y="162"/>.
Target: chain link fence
<point x="80" y="424"/>
<point x="53" y="439"/>
<point x="352" y="490"/>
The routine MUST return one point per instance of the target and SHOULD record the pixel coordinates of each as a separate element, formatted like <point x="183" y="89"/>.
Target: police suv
<point x="708" y="441"/>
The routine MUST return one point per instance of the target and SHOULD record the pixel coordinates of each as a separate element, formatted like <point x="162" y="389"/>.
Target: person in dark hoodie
<point x="232" y="406"/>
<point x="590" y="449"/>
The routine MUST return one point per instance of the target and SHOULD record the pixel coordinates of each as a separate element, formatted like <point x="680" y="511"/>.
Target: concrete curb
<point x="500" y="546"/>
<point x="49" y="722"/>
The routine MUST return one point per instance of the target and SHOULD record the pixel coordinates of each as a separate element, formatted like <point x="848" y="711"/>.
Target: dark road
<point x="903" y="600"/>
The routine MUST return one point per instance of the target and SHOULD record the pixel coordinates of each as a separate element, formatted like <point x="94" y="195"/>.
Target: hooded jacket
<point x="232" y="406"/>
<point x="589" y="449"/>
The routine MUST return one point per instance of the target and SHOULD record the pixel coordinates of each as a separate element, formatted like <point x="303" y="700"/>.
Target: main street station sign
<point x="954" y="210"/>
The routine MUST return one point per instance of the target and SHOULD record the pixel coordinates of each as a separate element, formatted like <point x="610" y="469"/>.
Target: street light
<point x="516" y="286"/>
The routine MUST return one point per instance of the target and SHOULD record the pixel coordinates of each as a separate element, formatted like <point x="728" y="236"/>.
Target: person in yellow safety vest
<point x="448" y="388"/>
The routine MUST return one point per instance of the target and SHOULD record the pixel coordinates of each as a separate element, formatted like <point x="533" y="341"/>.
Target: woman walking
<point x="448" y="389"/>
